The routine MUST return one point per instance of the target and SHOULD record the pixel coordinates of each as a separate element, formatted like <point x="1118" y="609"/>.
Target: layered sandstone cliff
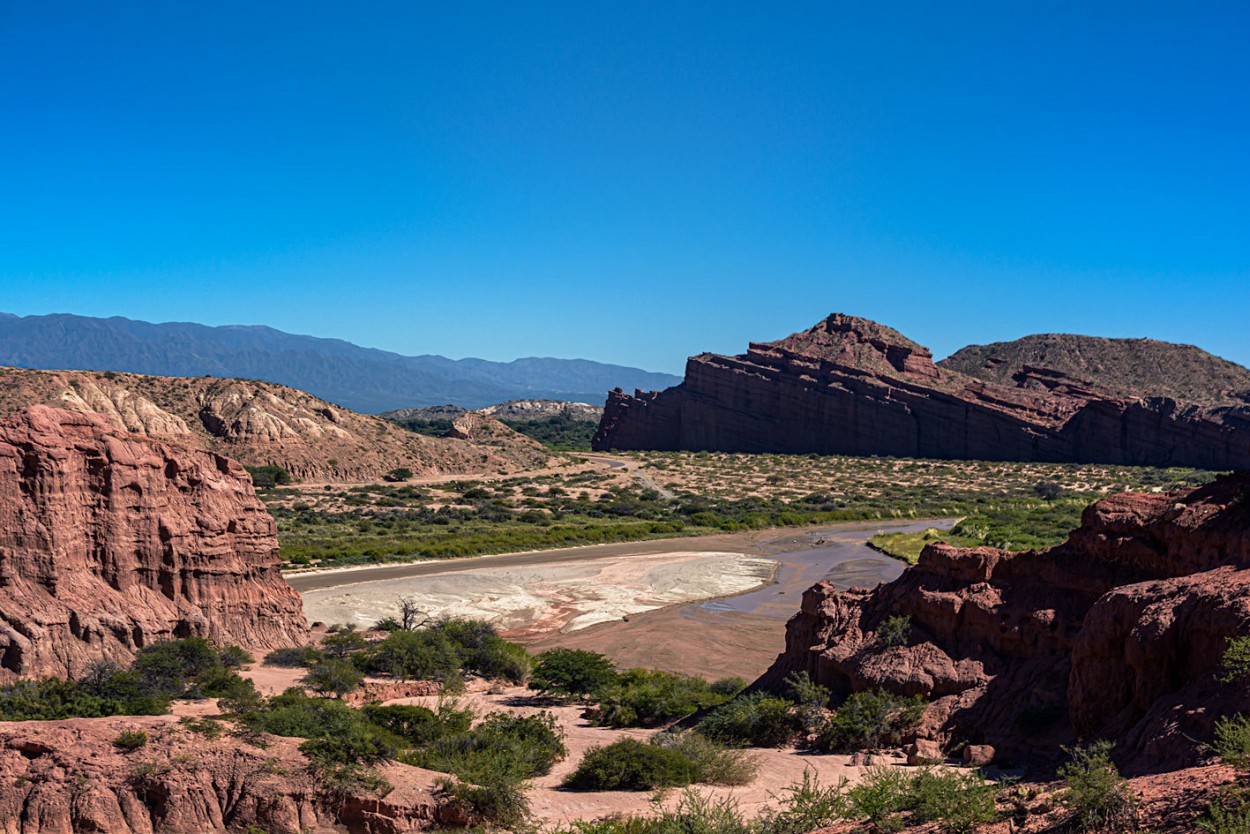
<point x="261" y="423"/>
<point x="68" y="776"/>
<point x="110" y="542"/>
<point x="850" y="386"/>
<point x="1118" y="633"/>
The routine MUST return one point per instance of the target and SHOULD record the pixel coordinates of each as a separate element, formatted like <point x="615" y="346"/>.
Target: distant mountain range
<point x="362" y="379"/>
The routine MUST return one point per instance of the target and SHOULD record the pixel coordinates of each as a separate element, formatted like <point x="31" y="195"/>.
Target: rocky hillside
<point x="1118" y="367"/>
<point x="513" y="411"/>
<point x="363" y="379"/>
<point x="1118" y="634"/>
<point x="262" y="423"/>
<point x="852" y="386"/>
<point x="68" y="776"/>
<point x="110" y="542"/>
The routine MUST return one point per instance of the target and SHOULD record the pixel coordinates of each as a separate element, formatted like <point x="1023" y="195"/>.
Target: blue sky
<point x="630" y="183"/>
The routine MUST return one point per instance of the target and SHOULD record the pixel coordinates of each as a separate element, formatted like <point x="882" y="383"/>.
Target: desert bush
<point x="481" y="651"/>
<point x="869" y="721"/>
<point x="130" y="740"/>
<point x="412" y="655"/>
<point x="1096" y="796"/>
<point x="341" y="644"/>
<point x="894" y="631"/>
<point x="1221" y="820"/>
<point x="333" y="677"/>
<point x="651" y="698"/>
<point x="1232" y="740"/>
<point x="294" y="657"/>
<point x="363" y="744"/>
<point x="805" y="806"/>
<point x="233" y="657"/>
<point x="502" y="803"/>
<point x="810" y="700"/>
<point x="1235" y="664"/>
<point x="631" y="765"/>
<point x="883" y="793"/>
<point x="295" y="714"/>
<point x="502" y="748"/>
<point x="572" y="672"/>
<point x="167" y="668"/>
<point x="756" y="719"/>
<point x="417" y="725"/>
<point x="728" y="687"/>
<point x="268" y="476"/>
<point x="713" y="763"/>
<point x="958" y="800"/>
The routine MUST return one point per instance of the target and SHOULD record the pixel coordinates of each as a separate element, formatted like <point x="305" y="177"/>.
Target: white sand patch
<point x="563" y="597"/>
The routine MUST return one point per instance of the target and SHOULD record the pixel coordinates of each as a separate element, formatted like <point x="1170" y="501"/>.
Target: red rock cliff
<point x="851" y="386"/>
<point x="1117" y="633"/>
<point x="109" y="542"/>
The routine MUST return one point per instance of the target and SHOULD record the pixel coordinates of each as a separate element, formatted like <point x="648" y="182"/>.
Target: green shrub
<point x="1235" y="664"/>
<point x="631" y="765"/>
<point x="727" y="687"/>
<point x="363" y="744"/>
<point x="130" y="740"/>
<point x="894" y="631"/>
<point x="503" y="747"/>
<point x="167" y="668"/>
<point x="341" y="644"/>
<point x="651" y="698"/>
<point x="1232" y="740"/>
<point x="334" y="677"/>
<point x="1096" y="796"/>
<point x="756" y="719"/>
<point x="805" y="806"/>
<point x="233" y="657"/>
<point x="882" y="793"/>
<point x="295" y="657"/>
<point x="295" y="714"/>
<point x="869" y="721"/>
<point x="1221" y="820"/>
<point x="481" y="651"/>
<point x="412" y="655"/>
<point x="50" y="699"/>
<point x="713" y="763"/>
<point x="268" y="476"/>
<point x="502" y="803"/>
<point x="959" y="800"/>
<point x="416" y="725"/>
<point x="572" y="672"/>
<point x="810" y="700"/>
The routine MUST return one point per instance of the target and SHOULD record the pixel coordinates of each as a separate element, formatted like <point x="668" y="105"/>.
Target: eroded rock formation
<point x="110" y="542"/>
<point x="1118" y="633"/>
<point x="851" y="386"/>
<point x="67" y="776"/>
<point x="260" y="423"/>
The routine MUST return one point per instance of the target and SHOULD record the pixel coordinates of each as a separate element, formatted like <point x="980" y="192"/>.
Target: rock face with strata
<point x="851" y="386"/>
<point x="110" y="542"/>
<point x="68" y="776"/>
<point x="1117" y="633"/>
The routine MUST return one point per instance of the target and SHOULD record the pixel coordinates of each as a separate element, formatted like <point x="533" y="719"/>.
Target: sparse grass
<point x="714" y="493"/>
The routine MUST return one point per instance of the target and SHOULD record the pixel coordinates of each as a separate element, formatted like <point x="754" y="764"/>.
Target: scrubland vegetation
<point x="490" y="759"/>
<point x="1015" y="505"/>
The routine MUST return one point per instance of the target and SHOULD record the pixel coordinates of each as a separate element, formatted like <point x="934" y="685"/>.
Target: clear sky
<point x="630" y="182"/>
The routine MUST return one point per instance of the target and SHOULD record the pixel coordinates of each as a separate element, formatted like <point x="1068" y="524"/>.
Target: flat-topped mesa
<point x="853" y="387"/>
<point x="110" y="542"/>
<point x="1118" y="633"/>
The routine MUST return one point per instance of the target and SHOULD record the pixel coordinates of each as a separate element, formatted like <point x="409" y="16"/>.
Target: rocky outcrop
<point x="261" y="423"/>
<point x="850" y="386"/>
<point x="110" y="542"/>
<point x="1118" y="633"/>
<point x="67" y="776"/>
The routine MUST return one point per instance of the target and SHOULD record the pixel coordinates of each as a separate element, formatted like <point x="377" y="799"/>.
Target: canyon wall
<point x="854" y="387"/>
<point x="110" y="542"/>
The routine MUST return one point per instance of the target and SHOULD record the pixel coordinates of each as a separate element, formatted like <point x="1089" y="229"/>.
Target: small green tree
<point x="894" y="631"/>
<point x="333" y="677"/>
<point x="1235" y="664"/>
<point x="572" y="672"/>
<point x="399" y="473"/>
